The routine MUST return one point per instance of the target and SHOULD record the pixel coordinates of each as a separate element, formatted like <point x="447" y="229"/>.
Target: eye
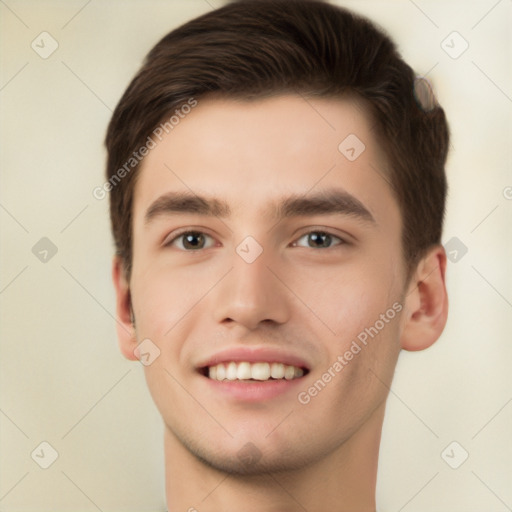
<point x="189" y="241"/>
<point x="319" y="240"/>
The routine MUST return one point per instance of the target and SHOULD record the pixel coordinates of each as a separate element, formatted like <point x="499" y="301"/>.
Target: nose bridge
<point x="250" y="293"/>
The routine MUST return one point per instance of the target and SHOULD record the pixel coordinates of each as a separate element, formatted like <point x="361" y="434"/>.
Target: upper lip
<point x="255" y="355"/>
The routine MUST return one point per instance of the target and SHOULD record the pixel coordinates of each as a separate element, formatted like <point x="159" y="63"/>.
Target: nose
<point x="251" y="294"/>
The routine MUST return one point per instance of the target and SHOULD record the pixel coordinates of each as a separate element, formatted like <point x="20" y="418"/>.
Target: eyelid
<point x="175" y="235"/>
<point x="325" y="231"/>
<point x="328" y="230"/>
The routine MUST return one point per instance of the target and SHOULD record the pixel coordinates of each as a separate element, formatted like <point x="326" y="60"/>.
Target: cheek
<point x="161" y="302"/>
<point x="167" y="304"/>
<point x="350" y="298"/>
<point x="360" y="367"/>
<point x="155" y="306"/>
<point x="163" y="296"/>
<point x="367" y="326"/>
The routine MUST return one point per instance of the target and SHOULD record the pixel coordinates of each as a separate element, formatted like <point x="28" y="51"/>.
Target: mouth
<point x="257" y="374"/>
<point x="259" y="371"/>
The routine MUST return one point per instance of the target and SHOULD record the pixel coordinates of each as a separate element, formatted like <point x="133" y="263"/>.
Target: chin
<point x="238" y="464"/>
<point x="245" y="458"/>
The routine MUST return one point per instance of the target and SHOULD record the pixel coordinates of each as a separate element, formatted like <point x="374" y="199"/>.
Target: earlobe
<point x="426" y="303"/>
<point x="125" y="323"/>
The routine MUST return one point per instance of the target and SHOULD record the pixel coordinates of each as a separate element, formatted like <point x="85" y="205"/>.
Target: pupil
<point x="320" y="239"/>
<point x="193" y="240"/>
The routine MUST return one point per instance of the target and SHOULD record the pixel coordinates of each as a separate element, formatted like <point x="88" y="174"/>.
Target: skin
<point x="297" y="297"/>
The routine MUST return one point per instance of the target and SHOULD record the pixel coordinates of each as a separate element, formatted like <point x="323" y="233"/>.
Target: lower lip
<point x="254" y="391"/>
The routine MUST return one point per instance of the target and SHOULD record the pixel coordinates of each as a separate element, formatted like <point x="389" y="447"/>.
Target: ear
<point x="426" y="302"/>
<point x="126" y="335"/>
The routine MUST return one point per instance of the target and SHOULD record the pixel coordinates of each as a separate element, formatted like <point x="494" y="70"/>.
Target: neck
<point x="342" y="481"/>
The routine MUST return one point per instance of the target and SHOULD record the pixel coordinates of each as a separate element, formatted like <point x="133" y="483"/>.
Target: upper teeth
<point x="255" y="371"/>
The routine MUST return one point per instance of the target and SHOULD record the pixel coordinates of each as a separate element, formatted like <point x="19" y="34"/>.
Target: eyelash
<point x="181" y="234"/>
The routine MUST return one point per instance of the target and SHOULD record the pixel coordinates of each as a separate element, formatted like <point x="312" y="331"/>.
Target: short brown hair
<point x="258" y="48"/>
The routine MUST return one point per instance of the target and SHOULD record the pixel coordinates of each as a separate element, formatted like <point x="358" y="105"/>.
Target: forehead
<point x="251" y="153"/>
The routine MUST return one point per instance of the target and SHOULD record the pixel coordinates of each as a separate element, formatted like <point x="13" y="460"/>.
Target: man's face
<point x="301" y="254"/>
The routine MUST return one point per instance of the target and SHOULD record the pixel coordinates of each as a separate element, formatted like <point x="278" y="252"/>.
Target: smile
<point x="259" y="371"/>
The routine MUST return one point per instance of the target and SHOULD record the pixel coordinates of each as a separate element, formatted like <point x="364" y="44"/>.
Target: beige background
<point x="63" y="380"/>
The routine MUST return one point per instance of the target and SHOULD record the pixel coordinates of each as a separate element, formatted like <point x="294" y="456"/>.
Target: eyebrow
<point x="332" y="201"/>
